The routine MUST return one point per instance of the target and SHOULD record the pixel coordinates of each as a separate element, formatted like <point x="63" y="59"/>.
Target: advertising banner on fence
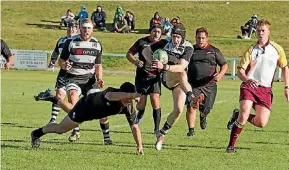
<point x="28" y="59"/>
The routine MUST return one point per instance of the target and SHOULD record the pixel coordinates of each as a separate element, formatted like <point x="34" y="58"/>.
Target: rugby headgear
<point x="128" y="88"/>
<point x="155" y="26"/>
<point x="179" y="29"/>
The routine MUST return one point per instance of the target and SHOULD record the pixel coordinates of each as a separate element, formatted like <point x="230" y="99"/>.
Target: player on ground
<point x="179" y="51"/>
<point x="203" y="77"/>
<point x="96" y="105"/>
<point x="146" y="78"/>
<point x="256" y="69"/>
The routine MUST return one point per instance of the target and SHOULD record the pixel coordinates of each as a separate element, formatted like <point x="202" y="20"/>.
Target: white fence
<point x="37" y="60"/>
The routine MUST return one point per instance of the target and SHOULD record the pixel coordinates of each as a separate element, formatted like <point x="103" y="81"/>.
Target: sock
<point x="236" y="130"/>
<point x="140" y="114"/>
<point x="251" y="119"/>
<point x="157" y="118"/>
<point x="38" y="132"/>
<point x="77" y="129"/>
<point x="55" y="111"/>
<point x="54" y="100"/>
<point x="105" y="130"/>
<point x="191" y="129"/>
<point x="165" y="128"/>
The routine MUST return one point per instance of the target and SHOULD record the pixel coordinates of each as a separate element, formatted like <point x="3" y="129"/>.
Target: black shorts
<point x="210" y="92"/>
<point x="147" y="85"/>
<point x="82" y="84"/>
<point x="79" y="113"/>
<point x="61" y="80"/>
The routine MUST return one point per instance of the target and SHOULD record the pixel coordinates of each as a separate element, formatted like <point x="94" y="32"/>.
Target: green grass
<point x="258" y="148"/>
<point x="27" y="25"/>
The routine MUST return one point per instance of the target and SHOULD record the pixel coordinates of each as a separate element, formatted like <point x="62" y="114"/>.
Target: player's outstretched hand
<point x="140" y="151"/>
<point x="157" y="64"/>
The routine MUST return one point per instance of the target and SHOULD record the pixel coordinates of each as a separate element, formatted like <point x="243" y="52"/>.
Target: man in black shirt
<point x="97" y="105"/>
<point x="6" y="54"/>
<point x="203" y="77"/>
<point x="146" y="78"/>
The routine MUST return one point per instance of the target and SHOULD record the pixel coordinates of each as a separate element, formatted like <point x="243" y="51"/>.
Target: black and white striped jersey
<point x="58" y="48"/>
<point x="83" y="55"/>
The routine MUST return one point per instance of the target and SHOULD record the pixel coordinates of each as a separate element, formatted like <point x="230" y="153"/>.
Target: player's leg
<point x="155" y="102"/>
<point x="155" y="92"/>
<point x="179" y="99"/>
<point x="262" y="116"/>
<point x="245" y="107"/>
<point x="65" y="125"/>
<point x="210" y="92"/>
<point x="141" y="104"/>
<point x="191" y="119"/>
<point x="104" y="125"/>
<point x="60" y="94"/>
<point x="73" y="93"/>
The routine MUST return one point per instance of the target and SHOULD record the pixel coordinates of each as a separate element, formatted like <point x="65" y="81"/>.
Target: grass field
<point x="258" y="148"/>
<point x="33" y="25"/>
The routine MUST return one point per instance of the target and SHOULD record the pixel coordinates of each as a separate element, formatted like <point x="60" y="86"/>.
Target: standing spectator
<point x="7" y="55"/>
<point x="156" y="20"/>
<point x="68" y="17"/>
<point x="119" y="11"/>
<point x="256" y="71"/>
<point x="129" y="17"/>
<point x="121" y="26"/>
<point x="167" y="27"/>
<point x="98" y="18"/>
<point x="250" y="27"/>
<point x="176" y="21"/>
<point x="82" y="14"/>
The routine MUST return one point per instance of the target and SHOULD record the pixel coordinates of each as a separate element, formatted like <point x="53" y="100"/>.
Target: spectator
<point x="82" y="14"/>
<point x="156" y="20"/>
<point x="121" y="26"/>
<point x="250" y="27"/>
<point x="119" y="11"/>
<point x="176" y="21"/>
<point x="6" y="54"/>
<point x="98" y="18"/>
<point x="129" y="17"/>
<point x="68" y="17"/>
<point x="167" y="27"/>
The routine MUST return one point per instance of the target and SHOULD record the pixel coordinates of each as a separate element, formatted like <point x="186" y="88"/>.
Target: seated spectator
<point x="119" y="11"/>
<point x="98" y="18"/>
<point x="250" y="27"/>
<point x="157" y="19"/>
<point x="68" y="17"/>
<point x="121" y="26"/>
<point x="176" y="21"/>
<point x="167" y="27"/>
<point x="82" y="14"/>
<point x="129" y="17"/>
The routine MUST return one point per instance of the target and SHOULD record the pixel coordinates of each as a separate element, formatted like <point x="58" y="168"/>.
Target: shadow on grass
<point x="16" y="125"/>
<point x="56" y="22"/>
<point x="45" y="26"/>
<point x="260" y="130"/>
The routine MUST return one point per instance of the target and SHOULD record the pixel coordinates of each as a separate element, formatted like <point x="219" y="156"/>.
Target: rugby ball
<point x="161" y="55"/>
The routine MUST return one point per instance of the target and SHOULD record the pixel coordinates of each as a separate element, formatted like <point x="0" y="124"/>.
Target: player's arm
<point x="130" y="114"/>
<point x="63" y="61"/>
<point x="55" y="54"/>
<point x="116" y="96"/>
<point x="282" y="63"/>
<point x="221" y="61"/>
<point x="243" y="64"/>
<point x="130" y="55"/>
<point x="148" y="51"/>
<point x="98" y="67"/>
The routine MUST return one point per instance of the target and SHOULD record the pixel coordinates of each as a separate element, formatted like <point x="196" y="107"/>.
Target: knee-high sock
<point x="105" y="130"/>
<point x="140" y="113"/>
<point x="236" y="130"/>
<point x="165" y="128"/>
<point x="157" y="114"/>
<point x="54" y="111"/>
